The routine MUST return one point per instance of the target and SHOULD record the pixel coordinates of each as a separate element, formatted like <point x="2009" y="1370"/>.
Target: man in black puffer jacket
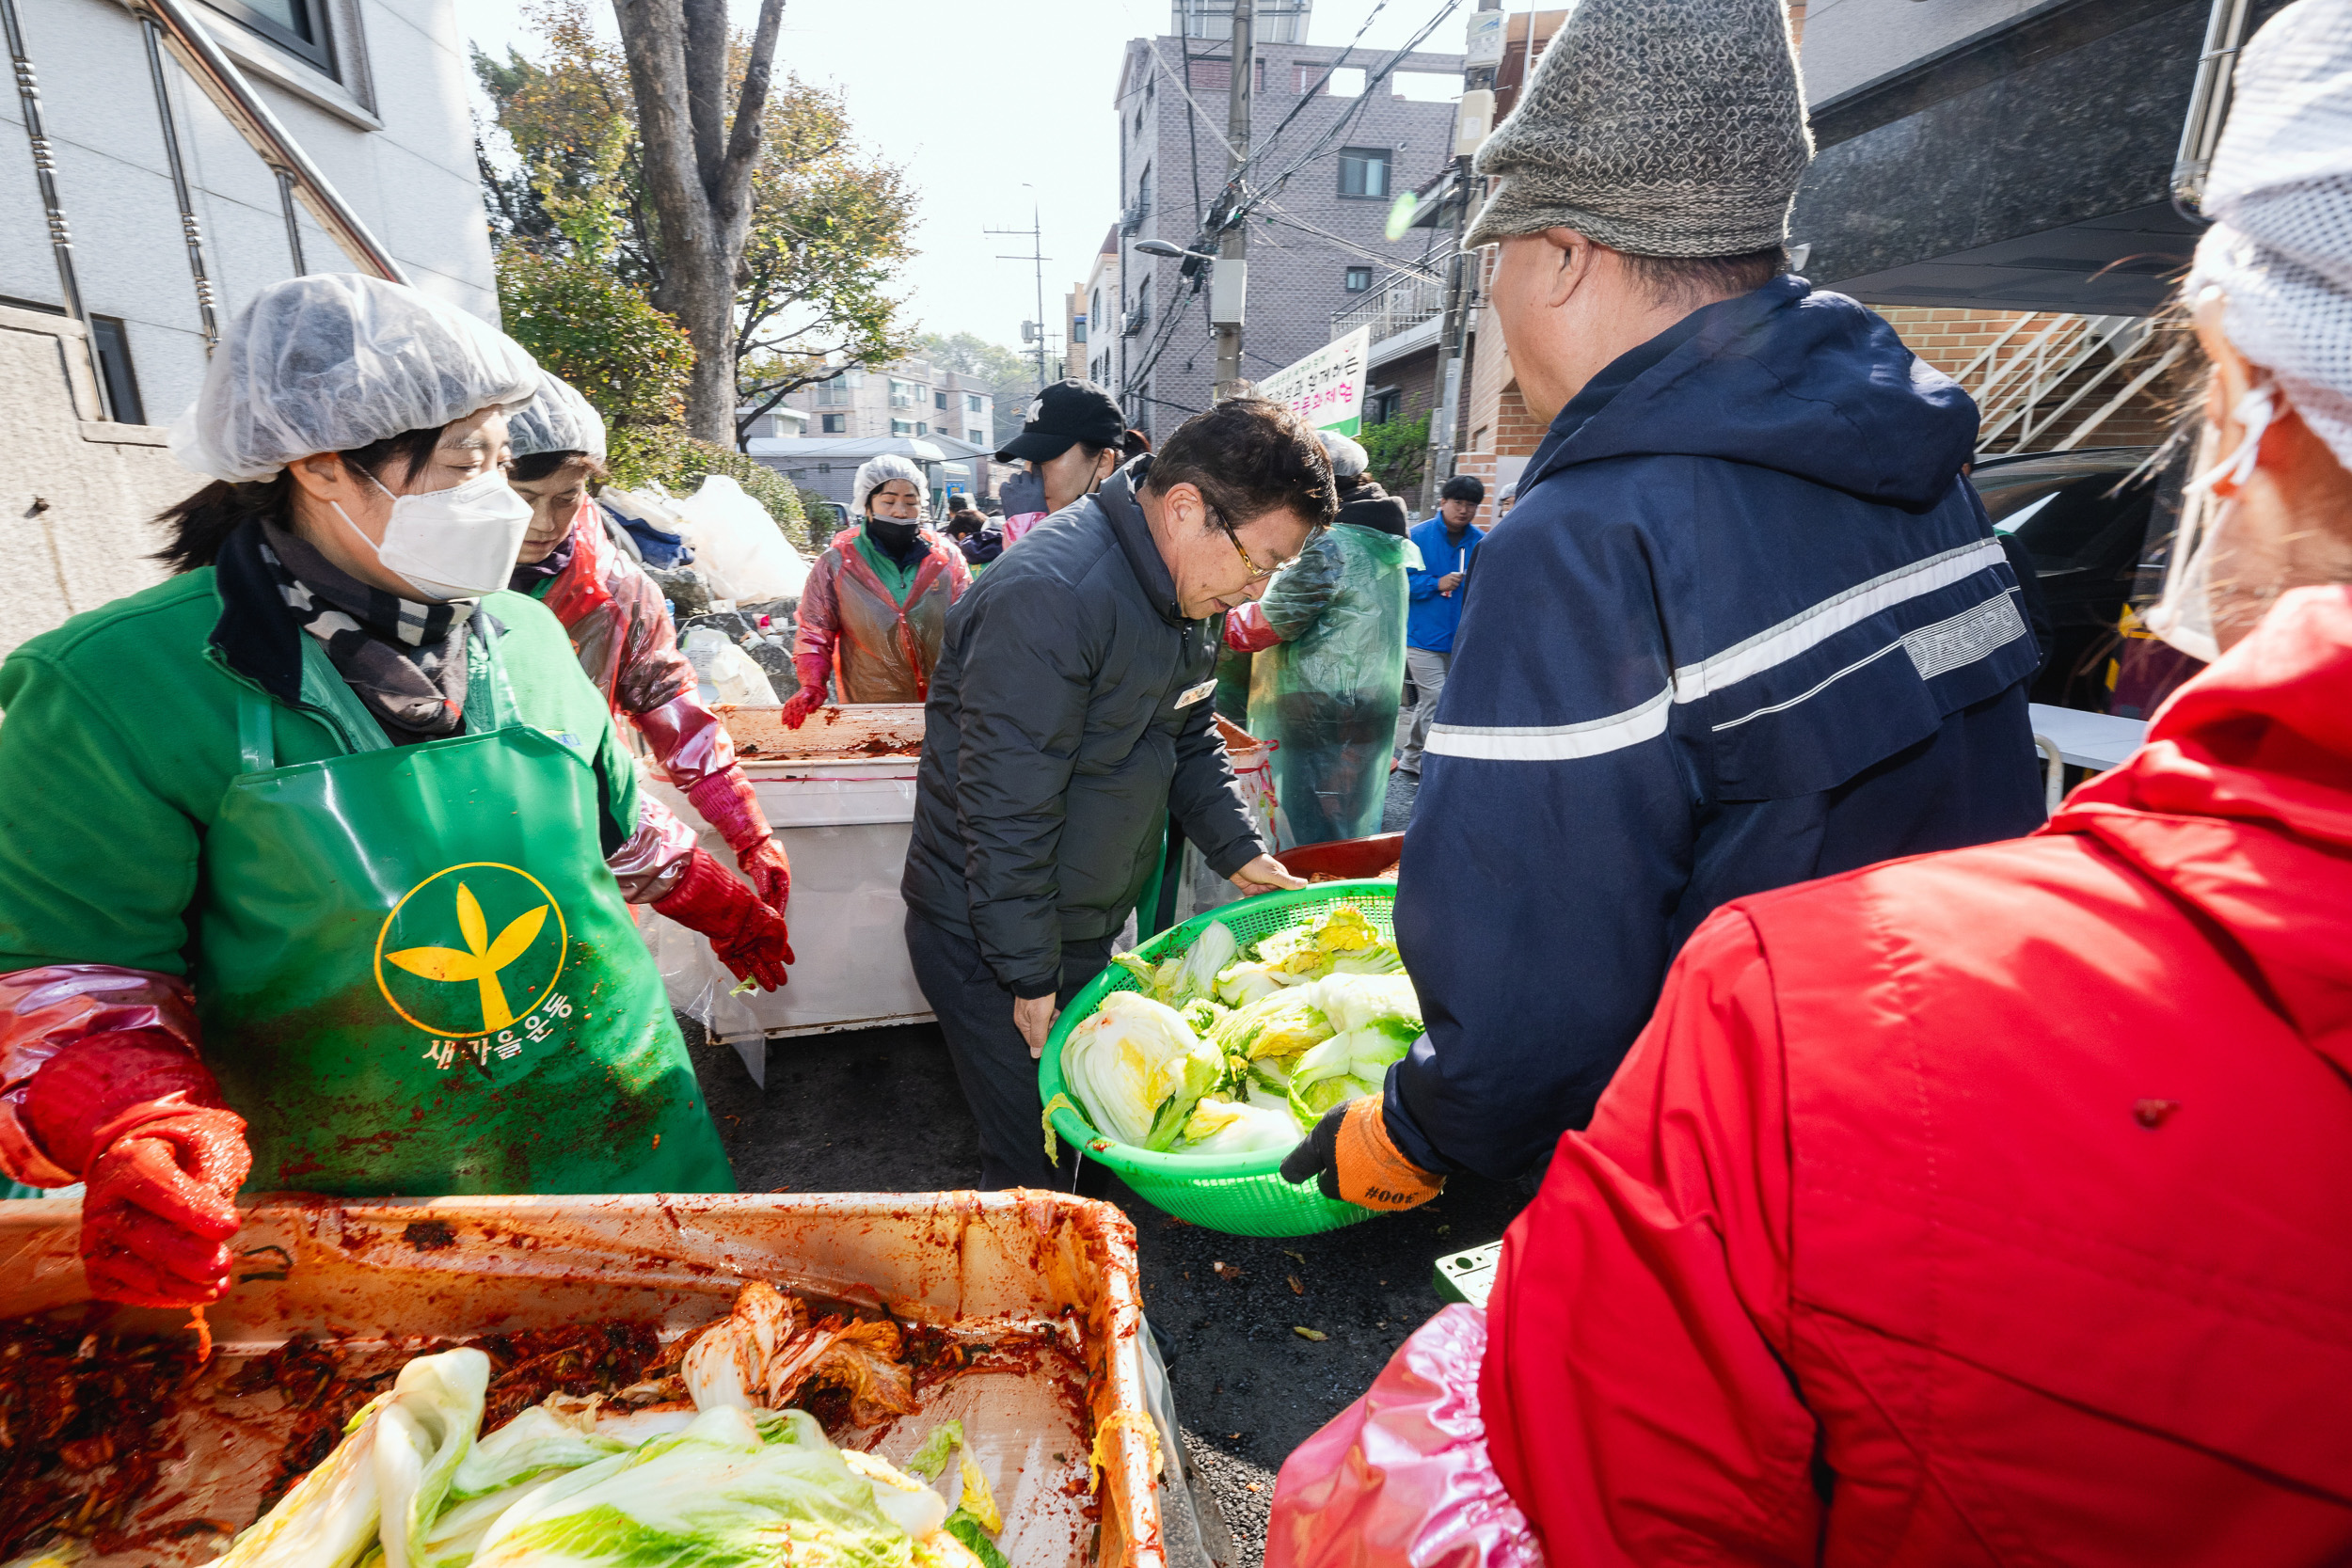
<point x="1068" y="716"/>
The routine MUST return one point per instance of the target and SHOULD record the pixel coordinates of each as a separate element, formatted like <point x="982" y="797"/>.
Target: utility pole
<point x="1229" y="278"/>
<point x="1471" y="122"/>
<point x="1035" y="233"/>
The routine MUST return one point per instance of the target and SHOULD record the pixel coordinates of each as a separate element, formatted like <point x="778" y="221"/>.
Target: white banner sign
<point x="1326" y="388"/>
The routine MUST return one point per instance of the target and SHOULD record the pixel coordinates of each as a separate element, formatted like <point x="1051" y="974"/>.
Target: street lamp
<point x="1173" y="252"/>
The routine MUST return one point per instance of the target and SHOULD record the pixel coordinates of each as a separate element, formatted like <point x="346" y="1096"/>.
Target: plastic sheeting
<point x="738" y="547"/>
<point x="1403" y="1475"/>
<point x="1328" y="696"/>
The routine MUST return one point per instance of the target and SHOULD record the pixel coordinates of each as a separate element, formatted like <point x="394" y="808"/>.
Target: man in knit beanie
<point x="1745" y="626"/>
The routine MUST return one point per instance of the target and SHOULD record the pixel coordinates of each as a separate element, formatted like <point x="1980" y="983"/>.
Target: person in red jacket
<point x="874" y="610"/>
<point x="622" y="632"/>
<point x="1990" y="1206"/>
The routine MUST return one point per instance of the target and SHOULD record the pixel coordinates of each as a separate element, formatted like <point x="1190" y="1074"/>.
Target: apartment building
<point x="931" y="413"/>
<point x="1337" y="148"/>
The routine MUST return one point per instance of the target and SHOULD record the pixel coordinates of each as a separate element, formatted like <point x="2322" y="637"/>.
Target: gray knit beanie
<point x="1657" y="128"/>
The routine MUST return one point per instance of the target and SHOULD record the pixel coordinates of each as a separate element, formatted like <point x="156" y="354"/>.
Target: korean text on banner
<point x="1327" y="387"/>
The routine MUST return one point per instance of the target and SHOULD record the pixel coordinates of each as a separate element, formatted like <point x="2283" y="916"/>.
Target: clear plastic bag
<point x="738" y="547"/>
<point x="726" y="673"/>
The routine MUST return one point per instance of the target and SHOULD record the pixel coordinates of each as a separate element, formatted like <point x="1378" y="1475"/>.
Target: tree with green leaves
<point x="825" y="227"/>
<point x="1397" y="448"/>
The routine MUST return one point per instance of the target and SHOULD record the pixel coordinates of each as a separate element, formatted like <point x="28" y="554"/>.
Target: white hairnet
<point x="335" y="360"/>
<point x="1348" y="458"/>
<point x="2280" y="193"/>
<point x="558" y="420"/>
<point x="875" y="472"/>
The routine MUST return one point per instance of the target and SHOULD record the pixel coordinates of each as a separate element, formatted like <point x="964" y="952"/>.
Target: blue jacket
<point x="1747" y="625"/>
<point x="1430" y="619"/>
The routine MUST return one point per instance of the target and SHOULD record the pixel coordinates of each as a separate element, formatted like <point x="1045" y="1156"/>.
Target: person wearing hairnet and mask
<point x="1330" y="671"/>
<point x="874" y="611"/>
<point x="623" y="635"/>
<point x="313" y="857"/>
<point x="1985" y="1206"/>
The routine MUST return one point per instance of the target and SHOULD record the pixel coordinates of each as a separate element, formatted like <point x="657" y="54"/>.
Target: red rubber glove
<point x="750" y="938"/>
<point x="726" y="801"/>
<point x="811" y="696"/>
<point x="139" y="1116"/>
<point x="1246" y="629"/>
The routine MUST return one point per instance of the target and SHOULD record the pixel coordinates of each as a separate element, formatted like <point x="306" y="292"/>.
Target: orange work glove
<point x="1352" y="1159"/>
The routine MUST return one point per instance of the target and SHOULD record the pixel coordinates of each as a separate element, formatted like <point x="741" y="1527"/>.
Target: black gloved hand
<point x="1317" y="1155"/>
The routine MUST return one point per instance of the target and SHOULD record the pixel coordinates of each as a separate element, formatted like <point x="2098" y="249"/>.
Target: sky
<point x="997" y="110"/>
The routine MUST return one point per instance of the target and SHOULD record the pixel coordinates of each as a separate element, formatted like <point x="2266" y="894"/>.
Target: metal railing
<point x="1398" y="301"/>
<point x="2027" y="384"/>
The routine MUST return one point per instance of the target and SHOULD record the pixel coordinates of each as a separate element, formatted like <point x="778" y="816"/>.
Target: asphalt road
<point x="879" y="1111"/>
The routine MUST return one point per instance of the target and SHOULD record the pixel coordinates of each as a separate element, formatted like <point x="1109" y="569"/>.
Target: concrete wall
<point x="77" y="494"/>
<point x="391" y="130"/>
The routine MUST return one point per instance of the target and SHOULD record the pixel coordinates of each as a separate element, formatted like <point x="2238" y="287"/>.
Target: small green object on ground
<point x="1467" y="1277"/>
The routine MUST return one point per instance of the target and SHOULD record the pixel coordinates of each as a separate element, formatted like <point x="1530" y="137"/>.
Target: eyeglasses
<point x="1257" y="573"/>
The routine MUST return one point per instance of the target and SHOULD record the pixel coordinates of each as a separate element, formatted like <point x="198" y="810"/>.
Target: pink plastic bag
<point x="1402" y="1475"/>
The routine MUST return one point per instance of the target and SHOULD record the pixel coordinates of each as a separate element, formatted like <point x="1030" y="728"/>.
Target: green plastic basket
<point x="1242" y="1195"/>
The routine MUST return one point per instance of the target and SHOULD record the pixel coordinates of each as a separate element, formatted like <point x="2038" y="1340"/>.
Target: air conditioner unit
<point x="1133" y="321"/>
<point x="1131" y="219"/>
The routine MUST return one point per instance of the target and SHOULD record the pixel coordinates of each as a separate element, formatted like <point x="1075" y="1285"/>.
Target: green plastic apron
<point x="417" y="977"/>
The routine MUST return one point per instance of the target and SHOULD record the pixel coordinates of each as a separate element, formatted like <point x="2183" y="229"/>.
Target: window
<point x="835" y="424"/>
<point x="922" y="429"/>
<point x="974" y="403"/>
<point x="1143" y="191"/>
<point x="903" y="394"/>
<point x="1364" y="171"/>
<point x="977" y="437"/>
<point x="901" y="427"/>
<point x="1381" y="404"/>
<point x="1347" y="81"/>
<point x="833" y="393"/>
<point x="1425" y="86"/>
<point x="1357" y="279"/>
<point x="297" y="26"/>
<point x="939" y="400"/>
<point x="114" y="362"/>
<point x="1077" y="329"/>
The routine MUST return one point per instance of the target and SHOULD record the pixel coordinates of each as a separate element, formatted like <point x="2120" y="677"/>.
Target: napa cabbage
<point x="1136" y="1069"/>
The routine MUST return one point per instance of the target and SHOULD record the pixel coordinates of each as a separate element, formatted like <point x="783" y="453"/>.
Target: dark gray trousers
<point x="993" y="1061"/>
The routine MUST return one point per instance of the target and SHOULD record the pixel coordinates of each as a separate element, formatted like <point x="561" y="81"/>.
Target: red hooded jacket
<point x="1985" y="1207"/>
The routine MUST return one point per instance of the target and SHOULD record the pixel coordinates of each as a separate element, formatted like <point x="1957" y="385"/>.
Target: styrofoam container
<point x="389" y="1274"/>
<point x="843" y="816"/>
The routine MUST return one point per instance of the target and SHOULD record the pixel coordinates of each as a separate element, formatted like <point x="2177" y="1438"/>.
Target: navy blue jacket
<point x="1431" y="618"/>
<point x="1746" y="626"/>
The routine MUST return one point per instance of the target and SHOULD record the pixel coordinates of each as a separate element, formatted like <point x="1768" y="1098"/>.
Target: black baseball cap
<point x="1062" y="414"/>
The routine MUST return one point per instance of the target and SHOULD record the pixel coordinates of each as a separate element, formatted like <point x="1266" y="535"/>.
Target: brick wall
<point x="1952" y="338"/>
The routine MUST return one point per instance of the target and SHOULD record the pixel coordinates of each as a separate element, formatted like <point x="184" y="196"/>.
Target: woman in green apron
<point x="313" y="857"/>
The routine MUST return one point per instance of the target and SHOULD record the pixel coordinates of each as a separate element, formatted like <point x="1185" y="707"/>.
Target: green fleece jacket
<point x="120" y="739"/>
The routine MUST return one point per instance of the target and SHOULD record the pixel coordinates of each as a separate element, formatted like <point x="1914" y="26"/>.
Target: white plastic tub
<point x="839" y="793"/>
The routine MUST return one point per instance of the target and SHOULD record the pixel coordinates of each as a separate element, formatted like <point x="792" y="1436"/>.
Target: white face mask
<point x="456" y="544"/>
<point x="2183" y="613"/>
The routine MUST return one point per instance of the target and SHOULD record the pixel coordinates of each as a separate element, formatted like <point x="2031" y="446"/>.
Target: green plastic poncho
<point x="1329" y="690"/>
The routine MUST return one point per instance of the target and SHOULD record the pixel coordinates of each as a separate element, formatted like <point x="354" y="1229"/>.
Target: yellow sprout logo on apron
<point x="471" y="949"/>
